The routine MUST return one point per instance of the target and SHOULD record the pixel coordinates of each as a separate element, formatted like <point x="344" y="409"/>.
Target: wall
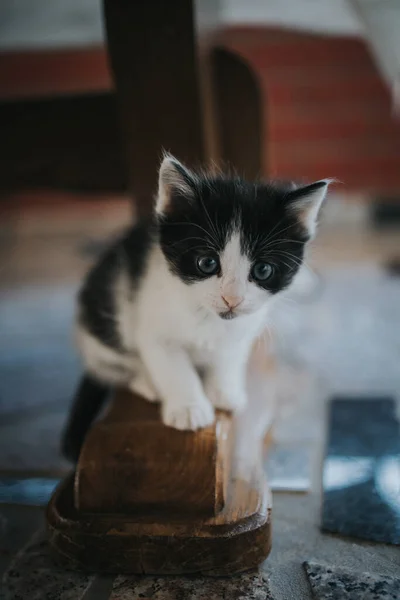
<point x="327" y="111"/>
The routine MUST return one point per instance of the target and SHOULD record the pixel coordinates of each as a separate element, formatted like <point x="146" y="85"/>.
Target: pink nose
<point x="232" y="301"/>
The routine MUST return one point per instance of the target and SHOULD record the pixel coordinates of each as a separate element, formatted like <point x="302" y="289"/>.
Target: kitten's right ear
<point x="306" y="201"/>
<point x="173" y="178"/>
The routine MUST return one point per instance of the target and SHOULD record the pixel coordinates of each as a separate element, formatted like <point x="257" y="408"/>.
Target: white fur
<point x="307" y="208"/>
<point x="106" y="364"/>
<point x="169" y="178"/>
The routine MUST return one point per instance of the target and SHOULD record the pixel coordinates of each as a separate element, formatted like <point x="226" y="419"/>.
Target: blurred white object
<point x="40" y="24"/>
<point x="324" y="16"/>
<point x="381" y="20"/>
<point x="26" y="24"/>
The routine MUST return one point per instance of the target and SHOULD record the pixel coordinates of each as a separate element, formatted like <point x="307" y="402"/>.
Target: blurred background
<point x="303" y="89"/>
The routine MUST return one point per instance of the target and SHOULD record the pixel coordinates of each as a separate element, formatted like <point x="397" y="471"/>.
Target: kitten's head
<point x="235" y="244"/>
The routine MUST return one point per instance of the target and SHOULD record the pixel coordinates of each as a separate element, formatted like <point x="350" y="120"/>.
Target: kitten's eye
<point x="207" y="265"/>
<point x="262" y="271"/>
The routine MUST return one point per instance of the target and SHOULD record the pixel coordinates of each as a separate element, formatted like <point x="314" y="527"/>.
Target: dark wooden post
<point x="176" y="92"/>
<point x="153" y="48"/>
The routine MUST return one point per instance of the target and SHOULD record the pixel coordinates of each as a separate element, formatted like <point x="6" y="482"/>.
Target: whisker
<point x="272" y="240"/>
<point x="293" y="257"/>
<point x="208" y="234"/>
<point x="290" y="267"/>
<point x="288" y="240"/>
<point x="202" y="248"/>
<point x="276" y="226"/>
<point x="187" y="239"/>
<point x="212" y="225"/>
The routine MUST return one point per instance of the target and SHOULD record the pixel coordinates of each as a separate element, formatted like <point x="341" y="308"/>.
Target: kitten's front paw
<point x="233" y="399"/>
<point x="188" y="417"/>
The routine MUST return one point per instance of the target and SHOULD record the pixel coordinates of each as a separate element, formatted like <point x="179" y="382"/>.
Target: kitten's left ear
<point x="173" y="179"/>
<point x="306" y="201"/>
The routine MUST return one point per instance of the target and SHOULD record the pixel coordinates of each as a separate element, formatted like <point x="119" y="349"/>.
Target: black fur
<point x="88" y="402"/>
<point x="96" y="313"/>
<point x="270" y="231"/>
<point x="96" y="300"/>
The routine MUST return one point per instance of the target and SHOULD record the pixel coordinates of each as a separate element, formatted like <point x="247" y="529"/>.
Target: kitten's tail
<point x="88" y="402"/>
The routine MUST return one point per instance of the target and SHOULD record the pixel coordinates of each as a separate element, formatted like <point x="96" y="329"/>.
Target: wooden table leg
<point x="152" y="48"/>
<point x="178" y="90"/>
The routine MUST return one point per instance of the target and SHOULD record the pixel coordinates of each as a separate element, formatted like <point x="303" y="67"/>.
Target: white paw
<point x="143" y="387"/>
<point x="188" y="417"/>
<point x="233" y="399"/>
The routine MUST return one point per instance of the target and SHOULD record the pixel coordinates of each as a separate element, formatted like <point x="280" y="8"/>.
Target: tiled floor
<point x="343" y="340"/>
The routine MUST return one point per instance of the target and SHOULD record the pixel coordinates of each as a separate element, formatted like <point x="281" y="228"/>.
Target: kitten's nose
<point x="232" y="301"/>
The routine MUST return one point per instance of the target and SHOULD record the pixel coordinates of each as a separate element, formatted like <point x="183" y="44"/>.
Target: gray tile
<point x="362" y="470"/>
<point x="31" y="491"/>
<point x="289" y="467"/>
<point x="17" y="525"/>
<point x="39" y="370"/>
<point x="251" y="586"/>
<point x="101" y="588"/>
<point x="33" y="445"/>
<point x="35" y="555"/>
<point x="334" y="583"/>
<point x="33" y="575"/>
<point x="35" y="376"/>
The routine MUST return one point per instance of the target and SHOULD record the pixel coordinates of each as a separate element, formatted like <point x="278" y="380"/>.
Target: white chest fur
<point x="167" y="313"/>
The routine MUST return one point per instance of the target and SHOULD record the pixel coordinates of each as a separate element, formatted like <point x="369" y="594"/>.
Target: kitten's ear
<point x="173" y="177"/>
<point x="306" y="201"/>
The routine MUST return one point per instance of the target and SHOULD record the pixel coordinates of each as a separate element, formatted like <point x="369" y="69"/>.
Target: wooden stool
<point x="146" y="498"/>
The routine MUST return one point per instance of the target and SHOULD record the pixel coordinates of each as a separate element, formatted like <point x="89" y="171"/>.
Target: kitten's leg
<point x="141" y="384"/>
<point x="109" y="366"/>
<point x="104" y="363"/>
<point x="225" y="379"/>
<point x="184" y="403"/>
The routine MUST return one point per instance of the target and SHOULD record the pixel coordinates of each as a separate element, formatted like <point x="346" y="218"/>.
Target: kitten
<point x="171" y="311"/>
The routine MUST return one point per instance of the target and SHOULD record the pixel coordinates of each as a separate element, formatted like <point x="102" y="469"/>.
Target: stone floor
<point x="342" y="338"/>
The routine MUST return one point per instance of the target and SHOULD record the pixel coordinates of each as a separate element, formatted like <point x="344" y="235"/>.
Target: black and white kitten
<point x="171" y="311"/>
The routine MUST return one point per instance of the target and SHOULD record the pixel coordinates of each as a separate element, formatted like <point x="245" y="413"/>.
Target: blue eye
<point x="262" y="271"/>
<point x="207" y="265"/>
